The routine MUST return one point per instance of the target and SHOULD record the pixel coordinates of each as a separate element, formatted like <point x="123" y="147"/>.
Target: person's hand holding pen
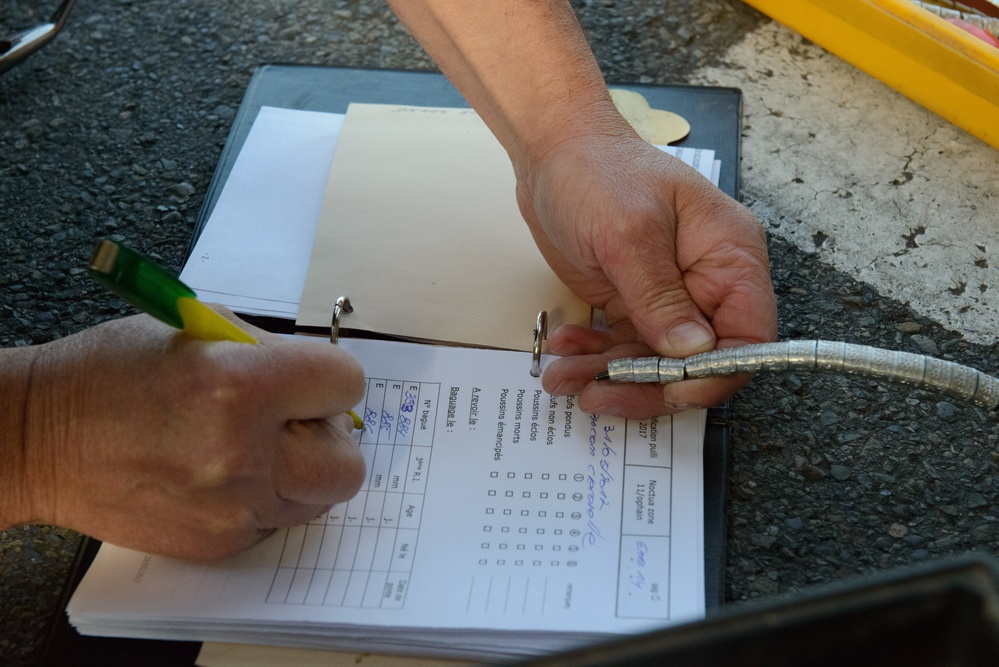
<point x="146" y="437"/>
<point x="677" y="266"/>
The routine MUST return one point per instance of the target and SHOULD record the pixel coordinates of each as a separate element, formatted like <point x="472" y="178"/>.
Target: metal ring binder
<point x="340" y="308"/>
<point x="540" y="334"/>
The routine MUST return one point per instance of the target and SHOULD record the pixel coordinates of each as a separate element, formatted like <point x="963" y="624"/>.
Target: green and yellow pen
<point x="145" y="285"/>
<point x="151" y="289"/>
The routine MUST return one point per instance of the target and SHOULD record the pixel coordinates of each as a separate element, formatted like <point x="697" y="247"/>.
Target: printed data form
<point x="488" y="507"/>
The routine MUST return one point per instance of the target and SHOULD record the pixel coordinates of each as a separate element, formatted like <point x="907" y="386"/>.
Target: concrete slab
<point x="848" y="169"/>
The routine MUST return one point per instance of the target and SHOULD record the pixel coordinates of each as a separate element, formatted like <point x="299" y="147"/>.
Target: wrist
<point x="16" y="366"/>
<point x="565" y="123"/>
<point x="524" y="65"/>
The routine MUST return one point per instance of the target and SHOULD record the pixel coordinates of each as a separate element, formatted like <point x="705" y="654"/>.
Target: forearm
<point x="524" y="65"/>
<point x="15" y="382"/>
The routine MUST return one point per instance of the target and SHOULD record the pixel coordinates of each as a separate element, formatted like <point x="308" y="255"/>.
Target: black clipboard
<point x="715" y="115"/>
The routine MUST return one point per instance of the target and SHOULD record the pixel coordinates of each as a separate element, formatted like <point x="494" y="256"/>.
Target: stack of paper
<point x="495" y="522"/>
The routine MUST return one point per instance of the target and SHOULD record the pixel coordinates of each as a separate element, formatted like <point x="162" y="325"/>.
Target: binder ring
<point x="540" y="334"/>
<point x="340" y="308"/>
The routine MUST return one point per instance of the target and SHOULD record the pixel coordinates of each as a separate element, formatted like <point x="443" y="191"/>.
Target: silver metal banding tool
<point x="944" y="377"/>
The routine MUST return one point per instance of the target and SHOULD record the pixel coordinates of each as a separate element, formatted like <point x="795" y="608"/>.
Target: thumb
<point x="685" y="338"/>
<point x="661" y="309"/>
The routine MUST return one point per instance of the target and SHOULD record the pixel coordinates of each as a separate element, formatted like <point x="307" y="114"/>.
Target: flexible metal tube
<point x="944" y="377"/>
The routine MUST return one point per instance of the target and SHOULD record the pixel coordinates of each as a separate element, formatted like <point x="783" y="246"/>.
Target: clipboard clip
<point x="540" y="334"/>
<point x="340" y="308"/>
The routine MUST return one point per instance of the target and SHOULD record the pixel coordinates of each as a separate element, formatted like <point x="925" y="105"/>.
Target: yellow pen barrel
<point x="203" y="323"/>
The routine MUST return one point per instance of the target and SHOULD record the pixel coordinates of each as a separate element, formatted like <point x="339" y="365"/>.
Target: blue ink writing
<point x="598" y="479"/>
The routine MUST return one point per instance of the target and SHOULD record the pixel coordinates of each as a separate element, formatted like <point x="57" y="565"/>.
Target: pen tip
<point x="602" y="375"/>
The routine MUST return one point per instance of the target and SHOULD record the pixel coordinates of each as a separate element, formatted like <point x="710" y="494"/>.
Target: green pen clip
<point x="139" y="281"/>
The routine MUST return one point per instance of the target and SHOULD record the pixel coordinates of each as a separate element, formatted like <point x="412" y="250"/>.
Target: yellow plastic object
<point x="919" y="54"/>
<point x="203" y="323"/>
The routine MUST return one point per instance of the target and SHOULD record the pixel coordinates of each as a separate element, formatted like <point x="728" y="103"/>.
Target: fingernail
<point x="568" y="388"/>
<point x="689" y="338"/>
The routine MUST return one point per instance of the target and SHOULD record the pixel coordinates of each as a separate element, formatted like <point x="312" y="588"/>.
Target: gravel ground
<point x="115" y="128"/>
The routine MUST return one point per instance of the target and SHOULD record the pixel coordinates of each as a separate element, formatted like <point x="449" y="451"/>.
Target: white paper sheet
<point x="253" y="253"/>
<point x="495" y="521"/>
